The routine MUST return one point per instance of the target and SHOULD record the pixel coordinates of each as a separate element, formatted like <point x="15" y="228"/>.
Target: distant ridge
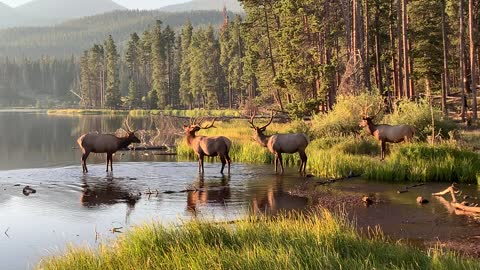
<point x="232" y="5"/>
<point x="50" y="12"/>
<point x="75" y="36"/>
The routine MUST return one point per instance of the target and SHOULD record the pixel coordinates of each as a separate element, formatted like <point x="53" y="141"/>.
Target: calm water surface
<point x="70" y="207"/>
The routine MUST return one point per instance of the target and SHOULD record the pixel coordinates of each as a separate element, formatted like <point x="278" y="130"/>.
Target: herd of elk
<point x="386" y="133"/>
<point x="207" y="146"/>
<point x="105" y="143"/>
<point x="282" y="143"/>
<point x="219" y="146"/>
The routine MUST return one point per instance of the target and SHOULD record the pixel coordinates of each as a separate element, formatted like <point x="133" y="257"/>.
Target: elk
<point x="105" y="143"/>
<point x="282" y="143"/>
<point x="207" y="146"/>
<point x="386" y="133"/>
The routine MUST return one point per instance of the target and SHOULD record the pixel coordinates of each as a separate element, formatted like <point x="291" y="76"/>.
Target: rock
<point x="28" y="190"/>
<point x="466" y="197"/>
<point x="421" y="200"/>
<point x="367" y="200"/>
<point x="402" y="191"/>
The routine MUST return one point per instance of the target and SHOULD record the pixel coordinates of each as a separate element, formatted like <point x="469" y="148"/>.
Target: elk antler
<point x="211" y="125"/>
<point x="127" y="126"/>
<point x="365" y="110"/>
<point x="270" y="122"/>
<point x="251" y="120"/>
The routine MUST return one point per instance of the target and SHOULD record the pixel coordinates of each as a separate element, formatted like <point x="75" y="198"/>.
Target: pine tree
<point x="186" y="96"/>
<point x="112" y="92"/>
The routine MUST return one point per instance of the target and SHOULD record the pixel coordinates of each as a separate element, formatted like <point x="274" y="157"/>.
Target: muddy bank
<point x="398" y="214"/>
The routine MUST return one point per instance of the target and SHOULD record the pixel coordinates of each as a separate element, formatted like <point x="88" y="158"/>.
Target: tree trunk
<point x="366" y="48"/>
<point x="446" y="77"/>
<point x="378" y="66"/>
<point x="473" y="83"/>
<point x="276" y="94"/>
<point x="400" y="49"/>
<point x="462" y="59"/>
<point x="406" y="67"/>
<point x="392" y="49"/>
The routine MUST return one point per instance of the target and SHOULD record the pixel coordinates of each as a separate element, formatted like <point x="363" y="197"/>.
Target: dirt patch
<point x="466" y="247"/>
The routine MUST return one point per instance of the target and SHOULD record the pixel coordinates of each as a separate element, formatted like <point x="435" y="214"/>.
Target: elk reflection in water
<point x="274" y="200"/>
<point x="98" y="192"/>
<point x="211" y="193"/>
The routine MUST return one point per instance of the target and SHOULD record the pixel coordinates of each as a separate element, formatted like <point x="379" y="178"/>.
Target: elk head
<point x="131" y="133"/>
<point x="196" y="125"/>
<point x="366" y="118"/>
<point x="259" y="130"/>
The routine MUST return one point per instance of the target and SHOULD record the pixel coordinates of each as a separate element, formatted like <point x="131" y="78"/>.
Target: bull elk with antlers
<point x="282" y="143"/>
<point x="207" y="146"/>
<point x="105" y="143"/>
<point x="386" y="133"/>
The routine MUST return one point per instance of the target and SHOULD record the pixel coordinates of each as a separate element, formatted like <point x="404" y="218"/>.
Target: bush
<point x="345" y="117"/>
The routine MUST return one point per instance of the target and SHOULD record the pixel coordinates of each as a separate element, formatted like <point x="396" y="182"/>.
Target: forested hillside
<point x="75" y="36"/>
<point x="294" y="54"/>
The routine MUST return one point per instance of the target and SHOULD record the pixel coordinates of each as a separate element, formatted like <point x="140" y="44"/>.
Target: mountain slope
<point x="232" y="5"/>
<point x="45" y="12"/>
<point x="8" y="16"/>
<point x="75" y="36"/>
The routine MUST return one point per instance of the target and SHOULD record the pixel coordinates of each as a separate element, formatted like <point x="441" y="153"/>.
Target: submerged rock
<point x="27" y="190"/>
<point x="421" y="200"/>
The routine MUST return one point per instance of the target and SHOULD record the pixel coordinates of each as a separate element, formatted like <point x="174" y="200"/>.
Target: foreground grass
<point x="320" y="241"/>
<point x="334" y="157"/>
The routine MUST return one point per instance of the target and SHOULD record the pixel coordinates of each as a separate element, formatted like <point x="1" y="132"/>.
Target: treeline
<point x="24" y="81"/>
<point x="198" y="68"/>
<point x="314" y="50"/>
<point x="298" y="55"/>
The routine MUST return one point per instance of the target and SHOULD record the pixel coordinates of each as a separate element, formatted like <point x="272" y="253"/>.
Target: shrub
<point x="345" y="117"/>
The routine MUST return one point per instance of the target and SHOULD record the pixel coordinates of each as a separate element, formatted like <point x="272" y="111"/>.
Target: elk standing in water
<point x="386" y="133"/>
<point x="105" y="143"/>
<point x="282" y="143"/>
<point x="207" y="146"/>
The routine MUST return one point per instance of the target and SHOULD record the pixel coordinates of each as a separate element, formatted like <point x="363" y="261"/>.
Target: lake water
<point x="72" y="208"/>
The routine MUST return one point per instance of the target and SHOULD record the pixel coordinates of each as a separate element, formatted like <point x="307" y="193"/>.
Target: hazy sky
<point x="132" y="4"/>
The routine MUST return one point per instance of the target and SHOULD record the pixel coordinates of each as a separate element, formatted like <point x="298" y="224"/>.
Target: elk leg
<point x="382" y="150"/>
<point x="224" y="161"/>
<point x="303" y="165"/>
<point x="228" y="161"/>
<point x="280" y="160"/>
<point x="84" y="161"/>
<point x="200" y="160"/>
<point x="109" y="158"/>
<point x="276" y="162"/>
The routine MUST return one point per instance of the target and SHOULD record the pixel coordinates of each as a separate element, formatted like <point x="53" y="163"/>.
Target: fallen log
<point x="460" y="206"/>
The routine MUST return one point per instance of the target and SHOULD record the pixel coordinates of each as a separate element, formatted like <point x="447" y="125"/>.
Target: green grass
<point x="318" y="241"/>
<point x="334" y="157"/>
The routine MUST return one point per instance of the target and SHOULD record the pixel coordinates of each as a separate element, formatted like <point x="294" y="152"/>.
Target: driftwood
<point x="464" y="206"/>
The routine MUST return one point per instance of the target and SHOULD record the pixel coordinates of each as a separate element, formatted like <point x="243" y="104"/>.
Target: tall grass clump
<point x="427" y="163"/>
<point x="318" y="241"/>
<point x="419" y="115"/>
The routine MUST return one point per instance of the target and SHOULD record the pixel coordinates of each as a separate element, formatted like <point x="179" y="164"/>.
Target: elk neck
<point x="262" y="139"/>
<point x="371" y="127"/>
<point x="123" y="142"/>
<point x="190" y="137"/>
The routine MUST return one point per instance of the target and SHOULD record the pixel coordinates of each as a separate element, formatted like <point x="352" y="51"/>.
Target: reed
<point x="316" y="241"/>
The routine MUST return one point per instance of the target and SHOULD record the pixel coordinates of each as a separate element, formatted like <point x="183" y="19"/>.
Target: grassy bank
<point x="334" y="157"/>
<point x="87" y="112"/>
<point x="320" y="241"/>
<point x="140" y="113"/>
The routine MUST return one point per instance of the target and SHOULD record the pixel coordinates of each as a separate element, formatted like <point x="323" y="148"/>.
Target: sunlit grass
<point x="334" y="157"/>
<point x="317" y="241"/>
